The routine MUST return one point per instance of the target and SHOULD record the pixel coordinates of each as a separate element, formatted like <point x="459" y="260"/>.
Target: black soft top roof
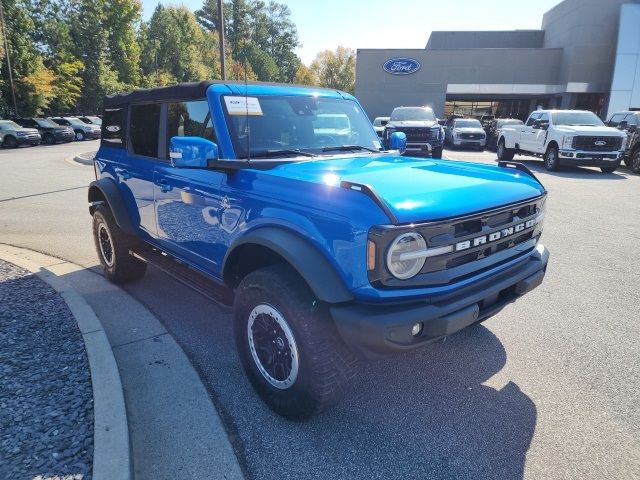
<point x="181" y="91"/>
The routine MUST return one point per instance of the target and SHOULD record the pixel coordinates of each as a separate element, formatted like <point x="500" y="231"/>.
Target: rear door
<point x="135" y="172"/>
<point x="187" y="200"/>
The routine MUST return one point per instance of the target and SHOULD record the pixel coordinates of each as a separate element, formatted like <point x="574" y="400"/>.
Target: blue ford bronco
<point x="280" y="201"/>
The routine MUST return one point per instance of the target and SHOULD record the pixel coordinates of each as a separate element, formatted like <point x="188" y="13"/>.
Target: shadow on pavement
<point x="571" y="172"/>
<point x="421" y="415"/>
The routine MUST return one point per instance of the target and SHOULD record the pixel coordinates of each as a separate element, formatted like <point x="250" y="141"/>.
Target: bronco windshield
<point x="269" y="124"/>
<point x="412" y="113"/>
<point x="589" y="119"/>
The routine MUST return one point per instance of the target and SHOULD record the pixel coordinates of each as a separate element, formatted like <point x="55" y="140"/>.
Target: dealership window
<point x="189" y="119"/>
<point x="143" y="129"/>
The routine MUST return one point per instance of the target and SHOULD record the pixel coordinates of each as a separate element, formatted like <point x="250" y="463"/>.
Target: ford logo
<point x="401" y="66"/>
<point x="113" y="128"/>
<point x="600" y="143"/>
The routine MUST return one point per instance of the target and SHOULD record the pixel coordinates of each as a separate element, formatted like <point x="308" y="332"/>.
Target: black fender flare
<point x="312" y="265"/>
<point x="106" y="189"/>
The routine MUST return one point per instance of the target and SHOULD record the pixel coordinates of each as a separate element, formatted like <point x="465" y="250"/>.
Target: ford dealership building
<point x="585" y="56"/>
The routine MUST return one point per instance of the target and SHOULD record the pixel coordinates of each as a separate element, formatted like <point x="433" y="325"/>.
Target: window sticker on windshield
<point x="243" y="105"/>
<point x="376" y="144"/>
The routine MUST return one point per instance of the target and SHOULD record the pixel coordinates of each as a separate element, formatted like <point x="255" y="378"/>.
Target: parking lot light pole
<point x="223" y="70"/>
<point x="6" y="52"/>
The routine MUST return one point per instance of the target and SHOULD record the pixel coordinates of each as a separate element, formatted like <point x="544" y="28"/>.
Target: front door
<point x="187" y="200"/>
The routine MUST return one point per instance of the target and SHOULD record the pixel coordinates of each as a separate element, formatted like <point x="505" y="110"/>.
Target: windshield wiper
<point x="281" y="152"/>
<point x="349" y="147"/>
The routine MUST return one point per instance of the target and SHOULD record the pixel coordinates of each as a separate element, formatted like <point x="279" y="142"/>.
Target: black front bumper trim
<point x="376" y="331"/>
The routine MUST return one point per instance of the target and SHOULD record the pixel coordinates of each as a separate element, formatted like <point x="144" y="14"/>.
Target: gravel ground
<point x="46" y="411"/>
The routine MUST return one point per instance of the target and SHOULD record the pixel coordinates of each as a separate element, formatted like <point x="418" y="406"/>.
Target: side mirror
<point x="383" y="122"/>
<point x="398" y="141"/>
<point x="544" y="125"/>
<point x="192" y="152"/>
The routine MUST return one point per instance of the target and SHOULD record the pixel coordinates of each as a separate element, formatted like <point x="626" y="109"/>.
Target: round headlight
<point x="406" y="255"/>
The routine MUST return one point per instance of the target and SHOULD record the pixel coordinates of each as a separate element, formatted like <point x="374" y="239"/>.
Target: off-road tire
<point x="503" y="153"/>
<point x="80" y="136"/>
<point x="10" y="142"/>
<point x="118" y="265"/>
<point x="634" y="162"/>
<point x="49" y="139"/>
<point x="325" y="366"/>
<point x="436" y="153"/>
<point x="551" y="161"/>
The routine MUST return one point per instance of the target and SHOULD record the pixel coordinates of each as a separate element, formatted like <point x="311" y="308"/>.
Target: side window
<point x="113" y="127"/>
<point x="632" y="119"/>
<point x="616" y="119"/>
<point x="544" y="118"/>
<point x="143" y="129"/>
<point x="532" y="118"/>
<point x="189" y="119"/>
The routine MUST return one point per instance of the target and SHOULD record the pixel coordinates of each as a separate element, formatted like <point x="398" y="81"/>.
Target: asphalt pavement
<point x="546" y="389"/>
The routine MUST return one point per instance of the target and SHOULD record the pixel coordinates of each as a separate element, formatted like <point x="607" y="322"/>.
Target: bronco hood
<point x="421" y="190"/>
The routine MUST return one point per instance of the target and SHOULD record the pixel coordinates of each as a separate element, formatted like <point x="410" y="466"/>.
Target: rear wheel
<point x="288" y="344"/>
<point x="10" y="141"/>
<point x="436" y="153"/>
<point x="80" y="135"/>
<point x="113" y="246"/>
<point x="551" y="161"/>
<point x="634" y="163"/>
<point x="504" y="153"/>
<point x="49" y="139"/>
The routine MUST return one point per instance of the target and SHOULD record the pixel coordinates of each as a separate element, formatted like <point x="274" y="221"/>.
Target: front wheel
<point x="49" y="139"/>
<point x="504" y="153"/>
<point x="113" y="246"/>
<point x="288" y="344"/>
<point x="634" y="163"/>
<point x="551" y="161"/>
<point x="436" y="152"/>
<point x="80" y="135"/>
<point x="608" y="169"/>
<point x="10" y="142"/>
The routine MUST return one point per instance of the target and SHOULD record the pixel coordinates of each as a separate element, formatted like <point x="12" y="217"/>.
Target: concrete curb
<point x="85" y="158"/>
<point x="112" y="452"/>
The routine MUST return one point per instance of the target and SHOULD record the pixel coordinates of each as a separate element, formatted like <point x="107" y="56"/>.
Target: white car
<point x="466" y="132"/>
<point x="564" y="137"/>
<point x="379" y="123"/>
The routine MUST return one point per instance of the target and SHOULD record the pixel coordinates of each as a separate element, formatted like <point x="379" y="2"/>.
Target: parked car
<point x="82" y="130"/>
<point x="327" y="251"/>
<point x="564" y="137"/>
<point x="13" y="135"/>
<point x="379" y="123"/>
<point x="629" y="122"/>
<point x="91" y="119"/>
<point x="465" y="132"/>
<point x="493" y="128"/>
<point x="50" y="131"/>
<point x="420" y="125"/>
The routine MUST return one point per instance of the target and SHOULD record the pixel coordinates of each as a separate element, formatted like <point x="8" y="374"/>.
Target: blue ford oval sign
<point x="401" y="66"/>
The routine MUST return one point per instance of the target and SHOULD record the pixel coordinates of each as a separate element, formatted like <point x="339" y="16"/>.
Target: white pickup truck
<point x="564" y="137"/>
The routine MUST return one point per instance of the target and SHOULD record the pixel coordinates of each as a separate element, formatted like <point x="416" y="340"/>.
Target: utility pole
<point x="6" y="52"/>
<point x="223" y="70"/>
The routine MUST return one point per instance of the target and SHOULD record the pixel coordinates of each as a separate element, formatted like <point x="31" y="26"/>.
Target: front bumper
<point x="64" y="136"/>
<point x="376" y="331"/>
<point x="29" y="140"/>
<point x="589" y="159"/>
<point x="468" y="142"/>
<point x="423" y="147"/>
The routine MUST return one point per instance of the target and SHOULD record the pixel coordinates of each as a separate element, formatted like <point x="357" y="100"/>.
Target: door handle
<point x="164" y="186"/>
<point x="123" y="173"/>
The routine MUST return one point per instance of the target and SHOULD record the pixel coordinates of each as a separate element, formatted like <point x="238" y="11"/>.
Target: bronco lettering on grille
<point x="492" y="237"/>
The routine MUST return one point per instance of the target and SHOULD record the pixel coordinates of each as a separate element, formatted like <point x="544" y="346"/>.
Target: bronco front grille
<point x="597" y="144"/>
<point x="457" y="264"/>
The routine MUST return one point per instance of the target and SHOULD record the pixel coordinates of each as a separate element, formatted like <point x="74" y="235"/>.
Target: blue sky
<point x="325" y="24"/>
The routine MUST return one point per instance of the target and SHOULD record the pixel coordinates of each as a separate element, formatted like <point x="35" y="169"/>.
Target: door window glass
<point x="532" y="118"/>
<point x="616" y="119"/>
<point x="189" y="119"/>
<point x="144" y="129"/>
<point x="632" y="119"/>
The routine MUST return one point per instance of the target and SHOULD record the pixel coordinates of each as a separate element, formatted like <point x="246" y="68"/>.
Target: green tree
<point x="336" y="69"/>
<point x="305" y="76"/>
<point x="122" y="17"/>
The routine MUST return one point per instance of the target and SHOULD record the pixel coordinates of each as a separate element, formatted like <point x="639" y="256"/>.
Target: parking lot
<point x="547" y="389"/>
